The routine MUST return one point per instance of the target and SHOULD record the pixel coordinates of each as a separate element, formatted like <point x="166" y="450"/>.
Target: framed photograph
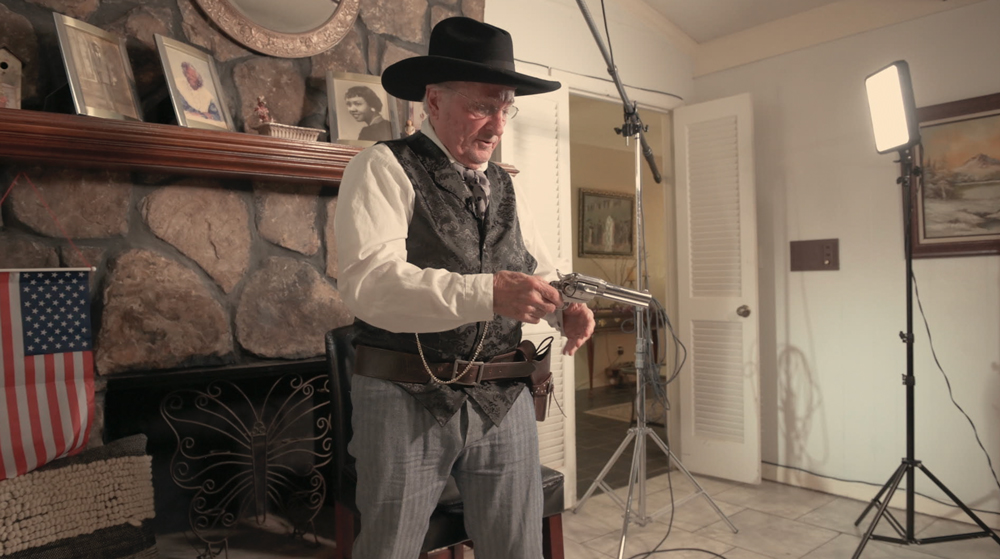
<point x="194" y="85"/>
<point x="98" y="70"/>
<point x="957" y="195"/>
<point x="360" y="111"/>
<point x="607" y="224"/>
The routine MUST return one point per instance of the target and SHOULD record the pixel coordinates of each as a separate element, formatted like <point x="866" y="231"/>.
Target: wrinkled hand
<point x="522" y="297"/>
<point x="578" y="325"/>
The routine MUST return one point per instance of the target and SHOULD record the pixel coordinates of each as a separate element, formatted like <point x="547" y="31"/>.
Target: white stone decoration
<point x="10" y="80"/>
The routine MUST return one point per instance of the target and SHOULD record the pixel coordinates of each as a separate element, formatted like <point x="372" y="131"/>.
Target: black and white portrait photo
<point x="361" y="112"/>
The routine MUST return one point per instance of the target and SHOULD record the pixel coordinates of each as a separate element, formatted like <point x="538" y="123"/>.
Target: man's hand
<point x="524" y="298"/>
<point x="578" y="325"/>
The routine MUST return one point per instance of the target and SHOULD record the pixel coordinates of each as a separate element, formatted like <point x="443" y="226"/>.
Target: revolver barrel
<point x="580" y="289"/>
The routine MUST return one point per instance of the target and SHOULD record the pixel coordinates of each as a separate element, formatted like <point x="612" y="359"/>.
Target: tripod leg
<point x="890" y="486"/>
<point x="878" y="496"/>
<point x="895" y="524"/>
<point x="968" y="511"/>
<point x="701" y="490"/>
<point x="607" y="468"/>
<point x="633" y="476"/>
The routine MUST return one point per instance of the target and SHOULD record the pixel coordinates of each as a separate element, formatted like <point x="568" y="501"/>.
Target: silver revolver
<point x="578" y="288"/>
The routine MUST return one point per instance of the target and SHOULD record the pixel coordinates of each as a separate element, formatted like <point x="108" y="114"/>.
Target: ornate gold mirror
<point x="285" y="28"/>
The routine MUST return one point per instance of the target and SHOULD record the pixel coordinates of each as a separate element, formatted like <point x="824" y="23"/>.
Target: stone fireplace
<point x="219" y="278"/>
<point x="192" y="272"/>
<point x="215" y="251"/>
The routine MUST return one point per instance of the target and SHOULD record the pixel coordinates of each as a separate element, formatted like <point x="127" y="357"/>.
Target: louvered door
<point x="717" y="289"/>
<point x="537" y="144"/>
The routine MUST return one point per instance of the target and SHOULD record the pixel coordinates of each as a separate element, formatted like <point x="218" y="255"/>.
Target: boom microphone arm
<point x="633" y="124"/>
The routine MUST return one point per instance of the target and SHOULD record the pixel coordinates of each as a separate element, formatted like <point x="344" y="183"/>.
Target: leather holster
<point x="540" y="382"/>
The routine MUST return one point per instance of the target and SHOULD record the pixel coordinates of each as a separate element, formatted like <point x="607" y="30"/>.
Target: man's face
<point x="358" y="108"/>
<point x="470" y="137"/>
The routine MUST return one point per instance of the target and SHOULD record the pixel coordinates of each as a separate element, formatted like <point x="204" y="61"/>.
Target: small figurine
<point x="262" y="112"/>
<point x="409" y="130"/>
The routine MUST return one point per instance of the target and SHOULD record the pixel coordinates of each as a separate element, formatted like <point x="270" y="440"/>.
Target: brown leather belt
<point x="397" y="366"/>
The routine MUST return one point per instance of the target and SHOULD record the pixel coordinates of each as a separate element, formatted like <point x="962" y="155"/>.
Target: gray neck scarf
<point x="480" y="185"/>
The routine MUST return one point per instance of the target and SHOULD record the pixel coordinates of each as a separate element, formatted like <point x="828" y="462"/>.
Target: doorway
<point x="602" y="163"/>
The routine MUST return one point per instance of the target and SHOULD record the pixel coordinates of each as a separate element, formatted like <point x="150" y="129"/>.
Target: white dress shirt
<point x="374" y="209"/>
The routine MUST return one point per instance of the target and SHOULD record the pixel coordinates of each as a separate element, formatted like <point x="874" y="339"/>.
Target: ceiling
<point x="704" y="20"/>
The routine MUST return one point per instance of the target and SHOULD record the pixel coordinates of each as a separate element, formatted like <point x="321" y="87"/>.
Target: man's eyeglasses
<point x="482" y="109"/>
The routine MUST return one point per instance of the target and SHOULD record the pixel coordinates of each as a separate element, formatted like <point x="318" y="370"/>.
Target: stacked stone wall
<point x="193" y="272"/>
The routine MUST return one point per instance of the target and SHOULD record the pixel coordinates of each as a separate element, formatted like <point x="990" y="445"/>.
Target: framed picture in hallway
<point x="607" y="224"/>
<point x="957" y="197"/>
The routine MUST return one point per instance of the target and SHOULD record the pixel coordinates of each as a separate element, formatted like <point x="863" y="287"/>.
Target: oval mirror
<point x="288" y="29"/>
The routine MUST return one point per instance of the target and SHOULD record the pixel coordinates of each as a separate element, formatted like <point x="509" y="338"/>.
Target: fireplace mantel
<point x="84" y="141"/>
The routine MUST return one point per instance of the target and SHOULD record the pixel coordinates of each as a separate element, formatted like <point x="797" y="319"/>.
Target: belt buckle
<point x="461" y="364"/>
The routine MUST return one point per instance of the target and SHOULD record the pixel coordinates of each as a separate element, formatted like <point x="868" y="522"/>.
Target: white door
<point x="717" y="289"/>
<point x="536" y="143"/>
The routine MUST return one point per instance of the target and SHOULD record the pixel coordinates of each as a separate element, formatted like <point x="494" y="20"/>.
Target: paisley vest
<point x="444" y="233"/>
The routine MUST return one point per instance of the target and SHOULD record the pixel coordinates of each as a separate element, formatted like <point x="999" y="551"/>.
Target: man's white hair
<point x="508" y="95"/>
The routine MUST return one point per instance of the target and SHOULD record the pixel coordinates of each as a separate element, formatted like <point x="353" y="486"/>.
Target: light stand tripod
<point x="910" y="464"/>
<point x="646" y="371"/>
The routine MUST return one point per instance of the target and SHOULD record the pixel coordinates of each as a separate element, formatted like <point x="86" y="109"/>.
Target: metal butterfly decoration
<point x="248" y="460"/>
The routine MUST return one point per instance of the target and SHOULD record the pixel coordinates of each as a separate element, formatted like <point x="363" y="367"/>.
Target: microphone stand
<point x="633" y="125"/>
<point x="647" y="372"/>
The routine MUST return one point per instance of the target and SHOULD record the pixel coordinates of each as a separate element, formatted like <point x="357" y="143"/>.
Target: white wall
<point x="554" y="33"/>
<point x="831" y="359"/>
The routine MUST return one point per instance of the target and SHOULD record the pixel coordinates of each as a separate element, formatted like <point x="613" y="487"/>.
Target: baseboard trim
<point x="865" y="492"/>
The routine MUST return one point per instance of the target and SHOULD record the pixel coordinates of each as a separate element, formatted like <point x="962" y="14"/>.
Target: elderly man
<point x="441" y="264"/>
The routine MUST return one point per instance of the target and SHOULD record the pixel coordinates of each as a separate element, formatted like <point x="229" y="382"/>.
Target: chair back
<point x="340" y="361"/>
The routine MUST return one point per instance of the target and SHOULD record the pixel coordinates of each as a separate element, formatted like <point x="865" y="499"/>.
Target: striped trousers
<point x="404" y="458"/>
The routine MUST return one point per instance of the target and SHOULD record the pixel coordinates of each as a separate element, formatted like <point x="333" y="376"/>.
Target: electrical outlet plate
<point x="823" y="254"/>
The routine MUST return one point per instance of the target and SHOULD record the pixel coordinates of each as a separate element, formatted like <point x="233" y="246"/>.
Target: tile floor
<point x="775" y="521"/>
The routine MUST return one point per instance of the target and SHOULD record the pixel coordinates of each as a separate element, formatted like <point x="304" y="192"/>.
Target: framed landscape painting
<point x="957" y="206"/>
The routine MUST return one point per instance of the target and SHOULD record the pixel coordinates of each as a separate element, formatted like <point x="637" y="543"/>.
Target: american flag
<point x="47" y="367"/>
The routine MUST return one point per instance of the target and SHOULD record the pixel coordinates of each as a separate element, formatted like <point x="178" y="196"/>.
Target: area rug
<point x="623" y="412"/>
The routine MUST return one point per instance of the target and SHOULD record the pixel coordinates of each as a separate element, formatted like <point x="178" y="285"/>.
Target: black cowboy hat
<point x="462" y="49"/>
